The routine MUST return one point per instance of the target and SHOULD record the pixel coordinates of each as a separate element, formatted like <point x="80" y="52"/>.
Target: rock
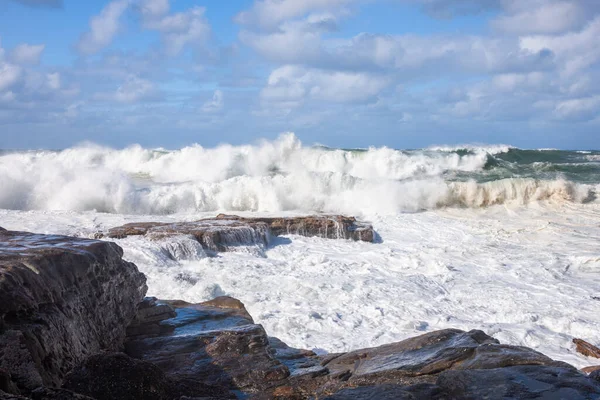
<point x="9" y="396"/>
<point x="44" y="393"/>
<point x="587" y="349"/>
<point x="61" y="300"/>
<point x="589" y="370"/>
<point x="519" y="382"/>
<point x="217" y="341"/>
<point x="390" y="392"/>
<point x="595" y="375"/>
<point x="115" y="376"/>
<point x="6" y="383"/>
<point x="228" y="232"/>
<point x="325" y="226"/>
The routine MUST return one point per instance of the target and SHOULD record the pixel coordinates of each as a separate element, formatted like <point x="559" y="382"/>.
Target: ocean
<point x="495" y="238"/>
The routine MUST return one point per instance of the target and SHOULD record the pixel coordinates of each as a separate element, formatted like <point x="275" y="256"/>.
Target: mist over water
<point x="285" y="175"/>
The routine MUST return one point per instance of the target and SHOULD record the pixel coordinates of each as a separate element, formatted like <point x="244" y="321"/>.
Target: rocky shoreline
<point x="74" y="324"/>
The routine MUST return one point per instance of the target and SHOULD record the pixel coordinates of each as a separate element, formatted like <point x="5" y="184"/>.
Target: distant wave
<point x="284" y="175"/>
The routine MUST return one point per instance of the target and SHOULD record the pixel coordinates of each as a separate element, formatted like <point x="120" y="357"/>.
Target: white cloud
<point x="181" y="29"/>
<point x="154" y="8"/>
<point x="9" y="75"/>
<point x="579" y="109"/>
<point x="133" y="90"/>
<point x="548" y="17"/>
<point x="291" y="85"/>
<point x="54" y="81"/>
<point x="216" y="104"/>
<point x="270" y="13"/>
<point x="575" y="50"/>
<point x="103" y="27"/>
<point x="27" y="54"/>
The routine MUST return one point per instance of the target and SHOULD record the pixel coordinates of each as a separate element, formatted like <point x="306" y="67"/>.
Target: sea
<point x="488" y="237"/>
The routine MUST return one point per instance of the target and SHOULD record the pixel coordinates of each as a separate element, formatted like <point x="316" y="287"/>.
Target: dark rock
<point x="390" y="392"/>
<point x="422" y="355"/>
<point x="587" y="349"/>
<point x="6" y="383"/>
<point x="61" y="300"/>
<point x="115" y="376"/>
<point x="216" y="340"/>
<point x="595" y="375"/>
<point x="45" y="393"/>
<point x="9" y="396"/>
<point x="325" y="226"/>
<point x="589" y="370"/>
<point x="519" y="382"/>
<point x="227" y="232"/>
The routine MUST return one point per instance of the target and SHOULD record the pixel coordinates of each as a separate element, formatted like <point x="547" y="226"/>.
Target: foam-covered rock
<point x="228" y="232"/>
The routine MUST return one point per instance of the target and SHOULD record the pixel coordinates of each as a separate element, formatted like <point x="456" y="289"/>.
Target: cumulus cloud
<point x="178" y="30"/>
<point x="548" y="17"/>
<point x="27" y="54"/>
<point x="9" y="75"/>
<point x="215" y="104"/>
<point x="154" y="8"/>
<point x="575" y="50"/>
<point x="586" y="108"/>
<point x="103" y="27"/>
<point x="291" y="85"/>
<point x="134" y="89"/>
<point x="270" y="13"/>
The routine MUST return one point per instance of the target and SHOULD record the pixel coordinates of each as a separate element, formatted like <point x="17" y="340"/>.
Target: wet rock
<point x="589" y="370"/>
<point x="61" y="300"/>
<point x="422" y="355"/>
<point x="229" y="232"/>
<point x="115" y="376"/>
<point x="217" y="341"/>
<point x="44" y="393"/>
<point x="595" y="375"/>
<point x="587" y="349"/>
<point x="9" y="396"/>
<point x="390" y="392"/>
<point x="6" y="383"/>
<point x="519" y="382"/>
<point x="325" y="226"/>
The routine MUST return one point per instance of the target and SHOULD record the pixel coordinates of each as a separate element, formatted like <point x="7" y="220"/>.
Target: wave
<point x="273" y="176"/>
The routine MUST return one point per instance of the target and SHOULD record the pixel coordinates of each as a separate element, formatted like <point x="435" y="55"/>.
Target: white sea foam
<point x="526" y="275"/>
<point x="273" y="176"/>
<point x="516" y="257"/>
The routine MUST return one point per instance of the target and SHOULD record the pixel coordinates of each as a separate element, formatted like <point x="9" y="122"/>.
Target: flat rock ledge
<point x="75" y="326"/>
<point x="225" y="232"/>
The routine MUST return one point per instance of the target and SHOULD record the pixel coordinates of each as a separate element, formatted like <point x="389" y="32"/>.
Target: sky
<point x="342" y="73"/>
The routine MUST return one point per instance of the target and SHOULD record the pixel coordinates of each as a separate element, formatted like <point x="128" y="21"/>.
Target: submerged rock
<point x="62" y="299"/>
<point x="227" y="232"/>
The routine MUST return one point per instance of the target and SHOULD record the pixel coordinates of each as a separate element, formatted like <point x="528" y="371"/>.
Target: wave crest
<point x="272" y="176"/>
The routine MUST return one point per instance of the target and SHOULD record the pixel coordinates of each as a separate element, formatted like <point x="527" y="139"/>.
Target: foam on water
<point x="528" y="275"/>
<point x="473" y="237"/>
<point x="275" y="176"/>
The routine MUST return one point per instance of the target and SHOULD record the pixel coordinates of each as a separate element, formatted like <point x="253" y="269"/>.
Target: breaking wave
<point x="283" y="175"/>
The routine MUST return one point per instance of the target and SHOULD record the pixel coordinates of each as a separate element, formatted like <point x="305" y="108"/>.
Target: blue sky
<point x="344" y="73"/>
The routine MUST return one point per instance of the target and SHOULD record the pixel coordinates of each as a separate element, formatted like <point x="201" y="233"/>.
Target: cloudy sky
<point x="344" y="73"/>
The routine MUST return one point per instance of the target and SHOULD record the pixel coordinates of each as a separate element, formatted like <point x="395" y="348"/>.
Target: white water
<point x="526" y="275"/>
<point x="518" y="258"/>
<point x="275" y="176"/>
